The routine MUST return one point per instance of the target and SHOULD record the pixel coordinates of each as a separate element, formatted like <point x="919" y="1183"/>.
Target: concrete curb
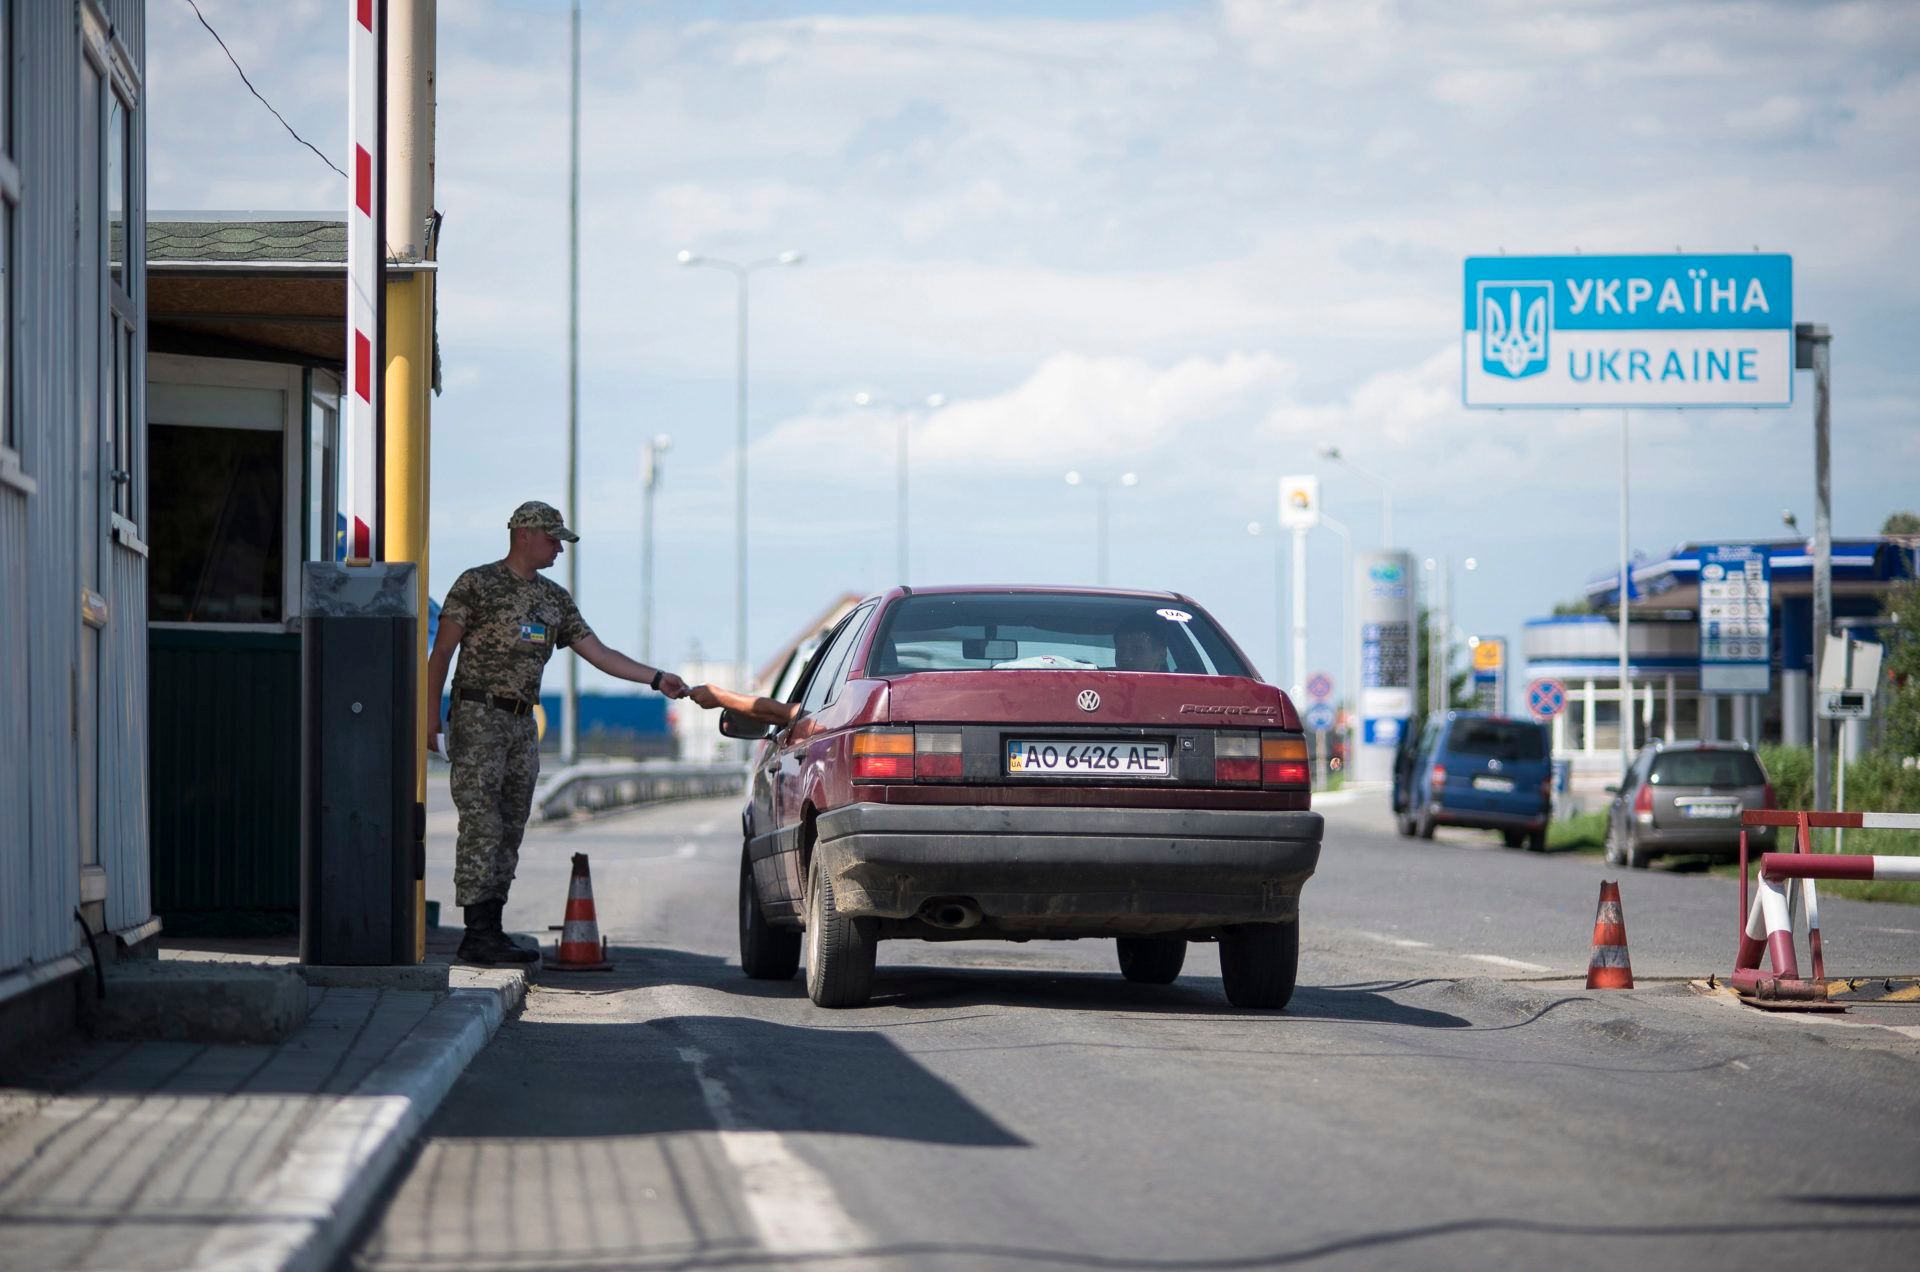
<point x="313" y="1202"/>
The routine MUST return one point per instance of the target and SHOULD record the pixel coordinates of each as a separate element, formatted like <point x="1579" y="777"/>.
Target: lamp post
<point x="1348" y="645"/>
<point x="1101" y="488"/>
<point x="933" y="402"/>
<point x="1279" y="616"/>
<point x="741" y="273"/>
<point x="1439" y="634"/>
<point x="649" y="478"/>
<point x="1332" y="454"/>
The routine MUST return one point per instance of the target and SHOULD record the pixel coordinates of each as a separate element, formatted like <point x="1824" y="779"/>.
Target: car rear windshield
<point x="997" y="631"/>
<point x="1707" y="768"/>
<point x="1499" y="739"/>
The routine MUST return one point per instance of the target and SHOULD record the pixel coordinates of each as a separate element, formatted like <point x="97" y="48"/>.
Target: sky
<point x="1194" y="242"/>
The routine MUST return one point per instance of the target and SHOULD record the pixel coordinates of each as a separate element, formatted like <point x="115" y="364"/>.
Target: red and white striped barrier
<point x="1787" y="898"/>
<point x="366" y="209"/>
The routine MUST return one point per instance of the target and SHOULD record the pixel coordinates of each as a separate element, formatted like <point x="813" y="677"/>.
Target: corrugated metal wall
<point x="39" y="539"/>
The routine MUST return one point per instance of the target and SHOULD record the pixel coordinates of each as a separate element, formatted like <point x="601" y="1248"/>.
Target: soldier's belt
<point x="499" y="701"/>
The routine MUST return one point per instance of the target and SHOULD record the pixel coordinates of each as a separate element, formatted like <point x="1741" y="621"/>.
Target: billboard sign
<point x="1736" y="619"/>
<point x="1384" y="613"/>
<point x="1300" y="502"/>
<point x="1489" y="673"/>
<point x="1625" y="331"/>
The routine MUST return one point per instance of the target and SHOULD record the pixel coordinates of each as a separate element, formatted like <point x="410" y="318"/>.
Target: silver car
<point x="1685" y="798"/>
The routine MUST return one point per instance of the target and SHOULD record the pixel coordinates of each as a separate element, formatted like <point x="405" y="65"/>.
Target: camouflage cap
<point x="541" y="516"/>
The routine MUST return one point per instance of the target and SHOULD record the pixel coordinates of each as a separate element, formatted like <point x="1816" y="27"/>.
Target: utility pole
<point x="649" y="478"/>
<point x="1626" y="590"/>
<point x="1298" y="691"/>
<point x="1813" y="352"/>
<point x="570" y="704"/>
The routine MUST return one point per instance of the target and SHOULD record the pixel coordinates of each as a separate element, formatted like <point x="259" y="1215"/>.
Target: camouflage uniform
<point x="512" y="626"/>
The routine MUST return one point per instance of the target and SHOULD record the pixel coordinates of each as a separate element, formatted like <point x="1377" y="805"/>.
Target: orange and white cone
<point x="580" y="949"/>
<point x="1610" y="968"/>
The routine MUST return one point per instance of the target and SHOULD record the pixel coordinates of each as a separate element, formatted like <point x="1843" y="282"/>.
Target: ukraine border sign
<point x="1628" y="331"/>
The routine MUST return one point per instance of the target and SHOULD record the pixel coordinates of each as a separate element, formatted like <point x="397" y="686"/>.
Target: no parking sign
<point x="1546" y="698"/>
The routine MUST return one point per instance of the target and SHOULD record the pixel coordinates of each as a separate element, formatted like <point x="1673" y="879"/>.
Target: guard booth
<point x="246" y="347"/>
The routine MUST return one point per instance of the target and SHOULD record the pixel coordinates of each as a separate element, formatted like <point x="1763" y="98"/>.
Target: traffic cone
<point x="1610" y="967"/>
<point x="580" y="948"/>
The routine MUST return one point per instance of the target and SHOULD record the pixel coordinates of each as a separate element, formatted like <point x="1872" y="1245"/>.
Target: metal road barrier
<point x="1786" y="897"/>
<point x="600" y="786"/>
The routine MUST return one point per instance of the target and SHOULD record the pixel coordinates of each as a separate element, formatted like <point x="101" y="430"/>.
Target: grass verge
<point x="1583" y="832"/>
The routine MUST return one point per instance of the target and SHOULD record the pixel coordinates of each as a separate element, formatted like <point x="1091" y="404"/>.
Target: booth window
<point x="122" y="354"/>
<point x="219" y="516"/>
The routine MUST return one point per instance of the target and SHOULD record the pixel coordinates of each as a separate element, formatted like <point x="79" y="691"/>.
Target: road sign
<point x="1845" y="704"/>
<point x="1736" y="619"/>
<point x="1319" y="717"/>
<point x="1489" y="672"/>
<point x="1680" y="330"/>
<point x="1300" y="502"/>
<point x="1319" y="686"/>
<point x="1546" y="698"/>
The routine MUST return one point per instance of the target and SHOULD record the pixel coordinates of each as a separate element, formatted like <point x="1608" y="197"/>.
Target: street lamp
<point x="1348" y="645"/>
<point x="1332" y="455"/>
<point x="1100" y="489"/>
<point x="741" y="272"/>
<point x="932" y="402"/>
<point x="649" y="478"/>
<point x="1279" y="617"/>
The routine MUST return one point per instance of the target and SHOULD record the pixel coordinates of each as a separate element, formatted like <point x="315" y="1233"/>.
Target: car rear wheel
<point x="1258" y="963"/>
<point x="1637" y="858"/>
<point x="1152" y="960"/>
<point x="1423" y="826"/>
<point x="1611" y="852"/>
<point x="1537" y="841"/>
<point x="766" y="952"/>
<point x="1513" y="838"/>
<point x="840" y="948"/>
<point x="1404" y="822"/>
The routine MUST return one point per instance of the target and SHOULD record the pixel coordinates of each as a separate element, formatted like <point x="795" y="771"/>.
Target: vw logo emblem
<point x="1089" y="700"/>
<point x="1493" y="766"/>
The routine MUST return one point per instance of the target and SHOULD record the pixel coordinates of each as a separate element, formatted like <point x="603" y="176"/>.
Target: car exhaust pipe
<point x="953" y="913"/>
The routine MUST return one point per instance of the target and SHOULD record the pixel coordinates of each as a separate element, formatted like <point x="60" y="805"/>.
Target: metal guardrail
<point x="600" y="786"/>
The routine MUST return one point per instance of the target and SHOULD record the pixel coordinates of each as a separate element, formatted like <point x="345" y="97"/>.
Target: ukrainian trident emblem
<point x="1514" y="321"/>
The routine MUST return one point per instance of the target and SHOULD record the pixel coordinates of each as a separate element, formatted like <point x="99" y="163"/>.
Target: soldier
<point x="506" y="621"/>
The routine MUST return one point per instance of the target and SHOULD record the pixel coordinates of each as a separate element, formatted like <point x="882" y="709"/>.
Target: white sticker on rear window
<point x="1175" y="616"/>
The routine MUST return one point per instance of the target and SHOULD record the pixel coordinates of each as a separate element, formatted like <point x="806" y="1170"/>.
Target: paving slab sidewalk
<point x="177" y="1155"/>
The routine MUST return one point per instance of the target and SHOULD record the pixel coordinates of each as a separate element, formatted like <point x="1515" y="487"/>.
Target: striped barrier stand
<point x="1786" y="897"/>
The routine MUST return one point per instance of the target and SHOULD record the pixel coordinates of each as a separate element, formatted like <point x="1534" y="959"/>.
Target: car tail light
<point x="1546" y="789"/>
<point x="883" y="755"/>
<point x="1283" y="760"/>
<point x="937" y="756"/>
<point x="1643" y="804"/>
<point x="1438" y="777"/>
<point x="1767" y="797"/>
<point x="1236" y="759"/>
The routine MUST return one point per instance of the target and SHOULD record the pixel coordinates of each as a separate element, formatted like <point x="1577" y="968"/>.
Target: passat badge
<point x="1089" y="700"/>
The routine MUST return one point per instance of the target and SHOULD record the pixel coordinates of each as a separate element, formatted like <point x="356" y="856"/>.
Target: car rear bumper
<point x="1070" y="871"/>
<point x="1722" y="839"/>
<point x="1487" y="818"/>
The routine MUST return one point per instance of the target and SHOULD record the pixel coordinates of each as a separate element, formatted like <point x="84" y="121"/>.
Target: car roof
<point x="1694" y="744"/>
<point x="952" y="589"/>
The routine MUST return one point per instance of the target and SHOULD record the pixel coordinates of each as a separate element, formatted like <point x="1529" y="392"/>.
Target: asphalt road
<point x="1431" y="1099"/>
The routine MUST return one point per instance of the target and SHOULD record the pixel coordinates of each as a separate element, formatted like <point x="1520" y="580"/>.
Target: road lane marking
<point x="1404" y="943"/>
<point x="792" y="1205"/>
<point x="1514" y="963"/>
<point x="1892" y="931"/>
<point x="706" y="827"/>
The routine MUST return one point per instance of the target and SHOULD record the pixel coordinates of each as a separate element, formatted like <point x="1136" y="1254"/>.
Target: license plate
<point x="1501" y="784"/>
<point x="1056" y="757"/>
<point x="1712" y="810"/>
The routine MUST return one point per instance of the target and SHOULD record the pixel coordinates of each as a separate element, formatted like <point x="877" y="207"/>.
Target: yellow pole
<point x="404" y="515"/>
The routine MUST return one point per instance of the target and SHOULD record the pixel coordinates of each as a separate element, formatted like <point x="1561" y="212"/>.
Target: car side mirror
<point x="738" y="724"/>
<point x="1613" y="790"/>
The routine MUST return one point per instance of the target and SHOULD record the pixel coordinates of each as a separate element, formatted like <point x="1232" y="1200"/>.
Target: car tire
<point x="1636" y="857"/>
<point x="1610" y="852"/>
<point x="1513" y="838"/>
<point x="1423" y="826"/>
<point x="766" y="952"/>
<point x="840" y="948"/>
<point x="1258" y="964"/>
<point x="1151" y="960"/>
<point x="1537" y="841"/>
<point x="1404" y="822"/>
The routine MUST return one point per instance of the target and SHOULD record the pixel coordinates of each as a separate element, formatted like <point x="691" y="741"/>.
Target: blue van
<point x="1471" y="768"/>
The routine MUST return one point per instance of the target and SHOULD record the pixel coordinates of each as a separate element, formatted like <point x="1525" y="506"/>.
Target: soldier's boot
<point x="509" y="952"/>
<point x="485" y="943"/>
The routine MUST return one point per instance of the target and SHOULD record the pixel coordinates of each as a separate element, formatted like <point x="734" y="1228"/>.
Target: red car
<point x="1015" y="763"/>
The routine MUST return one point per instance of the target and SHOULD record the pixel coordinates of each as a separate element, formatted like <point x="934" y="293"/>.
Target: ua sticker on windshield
<point x="1175" y="616"/>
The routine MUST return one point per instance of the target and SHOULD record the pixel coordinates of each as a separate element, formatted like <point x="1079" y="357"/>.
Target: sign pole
<point x="1299" y="616"/>
<point x="1626" y="589"/>
<point x="1820" y="360"/>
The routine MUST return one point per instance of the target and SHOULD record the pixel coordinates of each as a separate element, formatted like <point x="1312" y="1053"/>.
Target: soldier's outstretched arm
<point x="617" y="664"/>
